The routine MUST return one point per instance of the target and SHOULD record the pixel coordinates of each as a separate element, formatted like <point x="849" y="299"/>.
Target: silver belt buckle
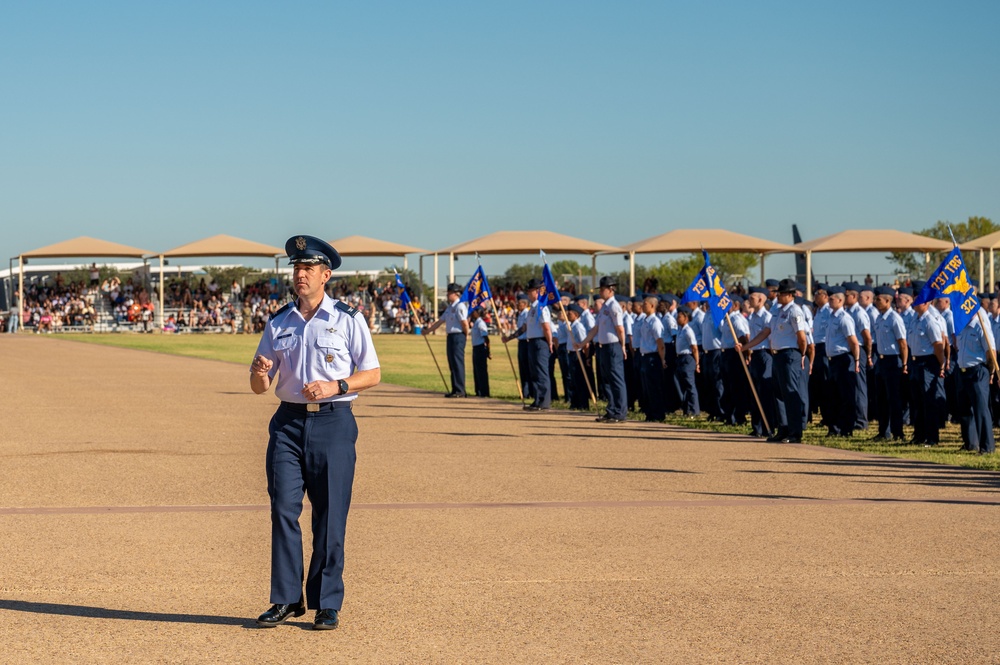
<point x="312" y="407"/>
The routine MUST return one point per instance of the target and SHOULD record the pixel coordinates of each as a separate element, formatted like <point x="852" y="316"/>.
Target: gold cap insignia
<point x="300" y="243"/>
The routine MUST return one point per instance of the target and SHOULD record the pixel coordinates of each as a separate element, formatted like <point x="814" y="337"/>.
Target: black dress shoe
<point x="278" y="614"/>
<point x="792" y="439"/>
<point x="775" y="438"/>
<point x="326" y="620"/>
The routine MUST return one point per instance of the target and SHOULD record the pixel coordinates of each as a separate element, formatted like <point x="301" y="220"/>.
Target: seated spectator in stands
<point x="44" y="322"/>
<point x="170" y="325"/>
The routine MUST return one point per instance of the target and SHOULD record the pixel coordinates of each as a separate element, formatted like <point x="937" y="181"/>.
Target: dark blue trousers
<point x="888" y="396"/>
<point x="974" y="408"/>
<point x="684" y="374"/>
<point x="579" y="397"/>
<point x="611" y="369"/>
<point x="671" y="391"/>
<point x="760" y="372"/>
<point x="651" y="373"/>
<point x="456" y="362"/>
<point x="861" y="394"/>
<point x="736" y="393"/>
<point x="524" y="368"/>
<point x="480" y="370"/>
<point x="711" y="396"/>
<point x="787" y="370"/>
<point x="563" y="354"/>
<point x="311" y="454"/>
<point x="818" y="384"/>
<point x="929" y="397"/>
<point x="559" y="356"/>
<point x="842" y="412"/>
<point x="538" y="372"/>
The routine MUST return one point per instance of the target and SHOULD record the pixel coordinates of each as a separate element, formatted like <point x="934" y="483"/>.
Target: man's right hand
<point x="261" y="366"/>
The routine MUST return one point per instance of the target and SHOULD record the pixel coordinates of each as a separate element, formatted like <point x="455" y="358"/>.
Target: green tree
<point x="521" y="273"/>
<point x="677" y="274"/>
<point x="913" y="264"/>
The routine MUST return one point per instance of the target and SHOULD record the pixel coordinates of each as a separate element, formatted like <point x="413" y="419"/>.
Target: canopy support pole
<point x="423" y="299"/>
<point x="809" y="270"/>
<point x="993" y="275"/>
<point x="434" y="308"/>
<point x="162" y="305"/>
<point x="451" y="267"/>
<point x="631" y="273"/>
<point x="761" y="269"/>
<point x="593" y="271"/>
<point x="405" y="266"/>
<point x="982" y="270"/>
<point x="20" y="292"/>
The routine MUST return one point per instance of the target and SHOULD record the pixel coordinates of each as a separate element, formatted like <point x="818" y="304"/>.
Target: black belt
<point x="532" y="339"/>
<point x="316" y="407"/>
<point x="888" y="355"/>
<point x="777" y="351"/>
<point x="456" y="333"/>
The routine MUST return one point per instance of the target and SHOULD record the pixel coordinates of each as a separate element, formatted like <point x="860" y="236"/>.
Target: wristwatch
<point x="343" y="386"/>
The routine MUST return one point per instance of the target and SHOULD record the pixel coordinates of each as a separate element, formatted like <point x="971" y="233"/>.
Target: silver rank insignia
<point x="331" y="330"/>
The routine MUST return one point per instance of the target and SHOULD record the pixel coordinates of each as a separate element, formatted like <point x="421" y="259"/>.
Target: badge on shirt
<point x="331" y="330"/>
<point x="329" y="357"/>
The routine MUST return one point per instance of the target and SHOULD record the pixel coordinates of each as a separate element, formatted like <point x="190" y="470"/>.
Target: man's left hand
<point x="318" y="390"/>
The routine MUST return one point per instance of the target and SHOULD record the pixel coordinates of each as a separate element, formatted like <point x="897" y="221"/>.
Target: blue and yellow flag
<point x="477" y="291"/>
<point x="708" y="286"/>
<point x="951" y="280"/>
<point x="404" y="297"/>
<point x="548" y="294"/>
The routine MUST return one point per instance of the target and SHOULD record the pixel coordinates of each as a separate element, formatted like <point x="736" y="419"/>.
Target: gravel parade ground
<point x="135" y="528"/>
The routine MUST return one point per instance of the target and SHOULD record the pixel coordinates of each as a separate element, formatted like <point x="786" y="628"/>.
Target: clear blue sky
<point x="431" y="122"/>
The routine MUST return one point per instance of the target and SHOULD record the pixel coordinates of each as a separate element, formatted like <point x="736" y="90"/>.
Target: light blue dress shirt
<point x="697" y="316"/>
<point x="453" y="316"/>
<point x="685" y="340"/>
<point x="332" y="345"/>
<point x="610" y="316"/>
<point x="972" y="344"/>
<point x="522" y="320"/>
<point x="711" y="334"/>
<point x="786" y="323"/>
<point x="650" y="331"/>
<point x="926" y="331"/>
<point x="741" y="327"/>
<point x="889" y="328"/>
<point x="538" y="316"/>
<point x="839" y="328"/>
<point x="479" y="332"/>
<point x="669" y="327"/>
<point x="820" y="323"/>
<point x="760" y="320"/>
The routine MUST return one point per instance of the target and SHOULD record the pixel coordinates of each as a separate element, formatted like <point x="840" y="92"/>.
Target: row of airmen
<point x="854" y="354"/>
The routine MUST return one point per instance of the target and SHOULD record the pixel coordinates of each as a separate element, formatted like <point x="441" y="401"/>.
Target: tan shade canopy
<point x="868" y="240"/>
<point x="528" y="242"/>
<point x="713" y="240"/>
<point x="362" y="246"/>
<point x="990" y="241"/>
<point x="85" y="247"/>
<point x="223" y="245"/>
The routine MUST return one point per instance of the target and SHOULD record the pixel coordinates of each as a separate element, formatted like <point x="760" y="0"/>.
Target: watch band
<point x="344" y="388"/>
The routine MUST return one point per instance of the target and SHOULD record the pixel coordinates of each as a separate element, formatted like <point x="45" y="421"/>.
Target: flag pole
<point x="416" y="316"/>
<point x="746" y="371"/>
<point x="429" y="347"/>
<point x="496" y="315"/>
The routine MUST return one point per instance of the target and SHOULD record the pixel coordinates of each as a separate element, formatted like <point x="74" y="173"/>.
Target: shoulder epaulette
<point x="344" y="307"/>
<point x="284" y="307"/>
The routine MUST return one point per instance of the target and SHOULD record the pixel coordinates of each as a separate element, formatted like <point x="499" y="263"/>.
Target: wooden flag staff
<point x="579" y="357"/>
<point x="416" y="316"/>
<point x="746" y="371"/>
<point x="517" y="380"/>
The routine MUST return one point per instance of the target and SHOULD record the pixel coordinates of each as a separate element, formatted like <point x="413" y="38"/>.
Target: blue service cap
<point x="820" y="286"/>
<point x="454" y="287"/>
<point x="905" y="291"/>
<point x="759" y="289"/>
<point x="885" y="291"/>
<point x="799" y="300"/>
<point x="636" y="298"/>
<point x="799" y="286"/>
<point x="534" y="283"/>
<point x="307" y="249"/>
<point x="772" y="283"/>
<point x="917" y="285"/>
<point x="736" y="299"/>
<point x="834" y="290"/>
<point x="522" y="296"/>
<point x="987" y="296"/>
<point x="576" y="309"/>
<point x="865" y="287"/>
<point x="851" y="286"/>
<point x="621" y="298"/>
<point x="582" y="296"/>
<point x="684" y="309"/>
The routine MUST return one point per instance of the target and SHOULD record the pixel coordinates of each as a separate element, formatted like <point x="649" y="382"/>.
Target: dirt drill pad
<point x="134" y="527"/>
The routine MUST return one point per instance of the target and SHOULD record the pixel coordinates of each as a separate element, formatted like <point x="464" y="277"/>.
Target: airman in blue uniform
<point x="456" y="324"/>
<point x="760" y="363"/>
<point x="651" y="351"/>
<point x="537" y="329"/>
<point x="735" y="393"/>
<point x="890" y="343"/>
<point x="975" y="358"/>
<point x="925" y="340"/>
<point x="318" y="354"/>
<point x="609" y="334"/>
<point x="789" y="341"/>
<point x="688" y="363"/>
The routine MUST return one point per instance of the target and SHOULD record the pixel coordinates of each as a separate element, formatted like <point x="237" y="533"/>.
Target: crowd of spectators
<point x="55" y="305"/>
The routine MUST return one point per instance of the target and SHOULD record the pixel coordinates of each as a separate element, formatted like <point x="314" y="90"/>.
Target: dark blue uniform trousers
<point x="456" y="362"/>
<point x="651" y="373"/>
<point x="928" y="399"/>
<point x="736" y="394"/>
<point x="579" y="397"/>
<point x="310" y="453"/>
<point x="818" y="382"/>
<point x="974" y="408"/>
<point x="559" y="356"/>
<point x="538" y="368"/>
<point x="888" y="398"/>
<point x="524" y="368"/>
<point x="711" y="395"/>
<point x="684" y="374"/>
<point x="787" y="370"/>
<point x="760" y="372"/>
<point x="841" y="417"/>
<point x="480" y="370"/>
<point x="611" y="370"/>
<point x="861" y="394"/>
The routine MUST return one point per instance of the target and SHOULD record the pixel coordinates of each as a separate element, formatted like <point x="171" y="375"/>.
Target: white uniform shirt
<point x="332" y="345"/>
